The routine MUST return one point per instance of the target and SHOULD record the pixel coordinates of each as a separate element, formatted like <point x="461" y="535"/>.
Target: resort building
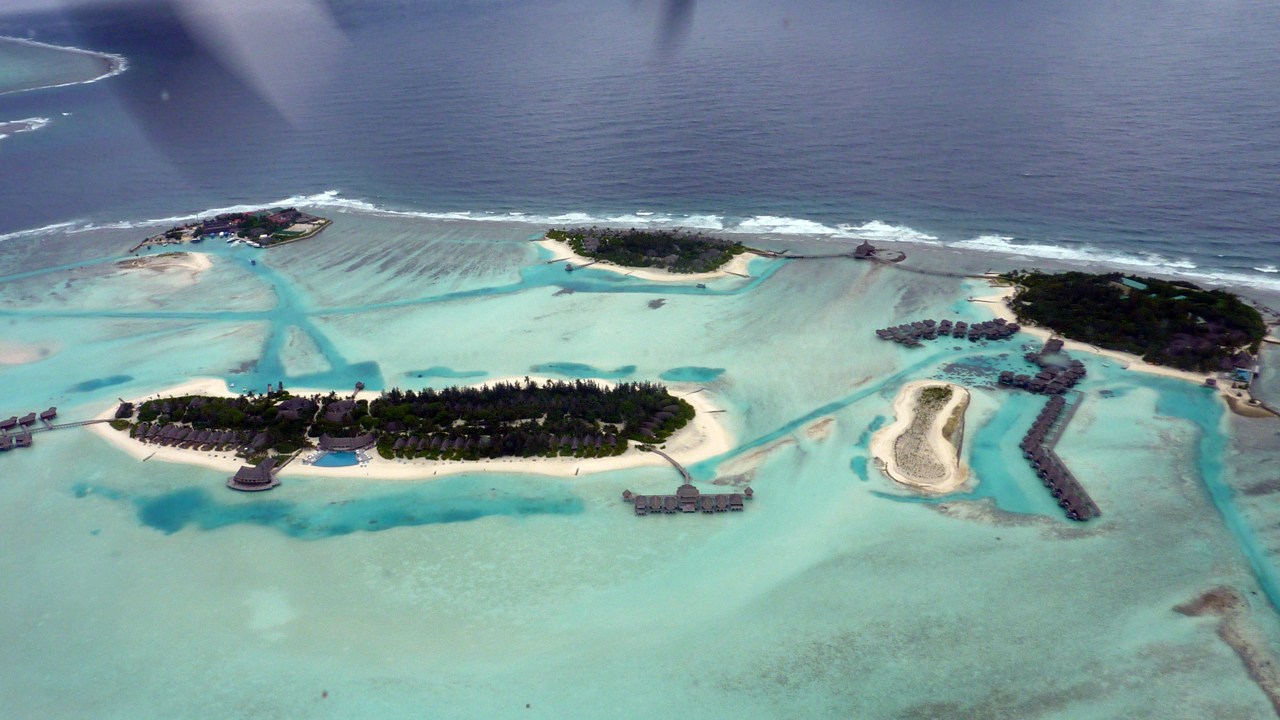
<point x="347" y="444"/>
<point x="254" y="478"/>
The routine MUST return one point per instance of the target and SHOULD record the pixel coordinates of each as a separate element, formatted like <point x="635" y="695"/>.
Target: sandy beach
<point x="704" y="437"/>
<point x="737" y="266"/>
<point x="192" y="263"/>
<point x="939" y="451"/>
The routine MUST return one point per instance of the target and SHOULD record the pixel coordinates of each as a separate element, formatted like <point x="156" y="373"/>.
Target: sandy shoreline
<point x="998" y="303"/>
<point x="704" y="437"/>
<point x="735" y="267"/>
<point x="904" y="410"/>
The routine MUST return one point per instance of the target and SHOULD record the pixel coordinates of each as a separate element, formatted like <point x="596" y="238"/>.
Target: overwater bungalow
<point x="254" y="478"/>
<point x="6" y="442"/>
<point x="9" y="424"/>
<point x="28" y="419"/>
<point x="49" y="414"/>
<point x="22" y="440"/>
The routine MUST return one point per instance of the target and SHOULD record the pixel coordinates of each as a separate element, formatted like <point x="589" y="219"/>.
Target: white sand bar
<point x="930" y="462"/>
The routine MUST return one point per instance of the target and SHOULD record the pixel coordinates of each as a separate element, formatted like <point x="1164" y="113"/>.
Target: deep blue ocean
<point x="1086" y="129"/>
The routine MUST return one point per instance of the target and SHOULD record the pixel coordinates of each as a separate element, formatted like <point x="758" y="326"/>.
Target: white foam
<point x="874" y="231"/>
<point x="119" y="63"/>
<point x="1081" y="254"/>
<point x="38" y="232"/>
<point x="27" y="125"/>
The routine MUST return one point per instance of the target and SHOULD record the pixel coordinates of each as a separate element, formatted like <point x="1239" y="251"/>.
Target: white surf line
<point x="119" y="63"/>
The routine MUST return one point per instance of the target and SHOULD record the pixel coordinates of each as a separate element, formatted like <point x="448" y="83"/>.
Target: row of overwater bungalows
<point x="911" y="334"/>
<point x="21" y="429"/>
<point x="688" y="500"/>
<point x="1053" y="473"/>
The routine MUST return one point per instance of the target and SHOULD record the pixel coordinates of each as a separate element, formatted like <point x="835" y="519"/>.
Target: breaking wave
<point x="25" y="125"/>
<point x="874" y="231"/>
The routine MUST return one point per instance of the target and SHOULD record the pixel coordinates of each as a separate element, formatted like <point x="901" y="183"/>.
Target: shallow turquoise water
<point x="460" y="595"/>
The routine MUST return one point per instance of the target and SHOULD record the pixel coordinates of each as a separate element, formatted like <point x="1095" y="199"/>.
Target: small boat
<point x="568" y="267"/>
<point x="702" y="286"/>
<point x="253" y="262"/>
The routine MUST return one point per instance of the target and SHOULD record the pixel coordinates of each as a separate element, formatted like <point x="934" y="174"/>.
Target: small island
<point x="921" y="448"/>
<point x="260" y="228"/>
<point x="1170" y="323"/>
<point x="670" y="250"/>
<point x="580" y="419"/>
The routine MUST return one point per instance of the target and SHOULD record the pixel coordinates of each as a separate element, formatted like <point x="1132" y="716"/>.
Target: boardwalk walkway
<point x="65" y="425"/>
<point x="678" y="466"/>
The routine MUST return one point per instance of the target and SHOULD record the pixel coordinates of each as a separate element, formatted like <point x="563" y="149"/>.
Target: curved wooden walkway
<point x="678" y="466"/>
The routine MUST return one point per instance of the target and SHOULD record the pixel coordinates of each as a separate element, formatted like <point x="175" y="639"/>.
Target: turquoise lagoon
<point x="26" y="66"/>
<point x="836" y="594"/>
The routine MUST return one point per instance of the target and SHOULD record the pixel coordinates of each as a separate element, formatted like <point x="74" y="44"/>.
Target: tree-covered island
<point x="1165" y="322"/>
<point x="260" y="228"/>
<point x="519" y="419"/>
<point x="670" y="250"/>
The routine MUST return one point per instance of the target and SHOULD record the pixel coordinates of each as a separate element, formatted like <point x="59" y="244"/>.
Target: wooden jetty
<point x="683" y="473"/>
<point x="24" y="427"/>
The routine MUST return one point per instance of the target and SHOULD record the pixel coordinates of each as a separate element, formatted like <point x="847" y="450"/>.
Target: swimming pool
<point x="342" y="459"/>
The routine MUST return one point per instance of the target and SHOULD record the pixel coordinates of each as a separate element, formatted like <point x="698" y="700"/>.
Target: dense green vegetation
<point x="671" y="250"/>
<point x="581" y="419"/>
<point x="1167" y="323"/>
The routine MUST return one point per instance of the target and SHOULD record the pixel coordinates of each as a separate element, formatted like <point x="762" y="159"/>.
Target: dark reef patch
<point x="176" y="510"/>
<point x="692" y="373"/>
<point x="99" y="383"/>
<point x="581" y="371"/>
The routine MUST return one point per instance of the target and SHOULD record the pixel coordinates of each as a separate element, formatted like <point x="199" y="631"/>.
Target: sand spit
<point x="1231" y="610"/>
<point x="737" y="266"/>
<point x="192" y="263"/>
<point x="704" y="437"/>
<point x="917" y="449"/>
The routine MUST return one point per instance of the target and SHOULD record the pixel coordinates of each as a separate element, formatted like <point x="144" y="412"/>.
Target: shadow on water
<point x="692" y="373"/>
<point x="583" y="372"/>
<point x="196" y="507"/>
<point x="99" y="383"/>
<point x="440" y="371"/>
